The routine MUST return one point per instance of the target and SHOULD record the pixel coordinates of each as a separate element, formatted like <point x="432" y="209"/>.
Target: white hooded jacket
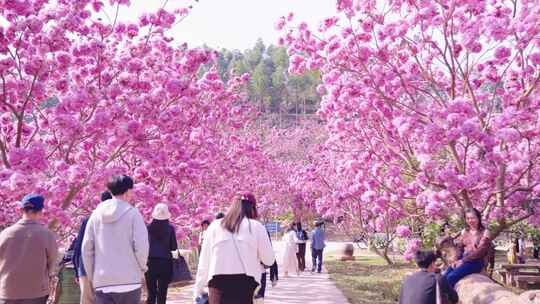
<point x="115" y="245"/>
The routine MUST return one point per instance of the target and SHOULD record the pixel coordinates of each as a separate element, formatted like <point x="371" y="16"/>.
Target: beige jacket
<point x="28" y="255"/>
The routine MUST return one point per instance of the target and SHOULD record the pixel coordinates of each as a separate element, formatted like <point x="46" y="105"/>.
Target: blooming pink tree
<point x="294" y="148"/>
<point x="372" y="218"/>
<point x="82" y="99"/>
<point x="432" y="106"/>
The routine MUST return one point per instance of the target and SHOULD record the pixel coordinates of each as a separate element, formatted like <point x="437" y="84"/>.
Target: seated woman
<point x="476" y="243"/>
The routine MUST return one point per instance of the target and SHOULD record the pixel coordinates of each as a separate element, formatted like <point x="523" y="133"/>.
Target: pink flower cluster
<point x="420" y="123"/>
<point x="87" y="99"/>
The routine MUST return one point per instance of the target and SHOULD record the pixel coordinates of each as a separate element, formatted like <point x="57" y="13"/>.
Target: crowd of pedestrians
<point x="115" y="251"/>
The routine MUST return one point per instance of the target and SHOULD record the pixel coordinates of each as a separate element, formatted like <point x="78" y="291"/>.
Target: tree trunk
<point x="383" y="253"/>
<point x="386" y="258"/>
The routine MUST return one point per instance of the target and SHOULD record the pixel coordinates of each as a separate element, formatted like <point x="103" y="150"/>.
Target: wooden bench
<point x="514" y="270"/>
<point x="501" y="272"/>
<point x="523" y="281"/>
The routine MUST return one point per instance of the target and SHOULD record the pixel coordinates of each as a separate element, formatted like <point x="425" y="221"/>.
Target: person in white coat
<point x="233" y="254"/>
<point x="290" y="248"/>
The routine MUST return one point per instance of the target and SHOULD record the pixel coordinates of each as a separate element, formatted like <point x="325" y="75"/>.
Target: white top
<point x="202" y="235"/>
<point x="220" y="256"/>
<point x="290" y="238"/>
<point x="120" y="289"/>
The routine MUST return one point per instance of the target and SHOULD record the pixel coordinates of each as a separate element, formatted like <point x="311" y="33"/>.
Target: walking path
<point x="307" y="288"/>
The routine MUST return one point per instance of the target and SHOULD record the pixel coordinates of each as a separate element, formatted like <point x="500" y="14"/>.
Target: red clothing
<point x="476" y="247"/>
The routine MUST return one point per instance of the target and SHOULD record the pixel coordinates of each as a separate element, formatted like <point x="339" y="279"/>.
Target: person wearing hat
<point x="115" y="246"/>
<point x="162" y="237"/>
<point x="28" y="256"/>
<point x="317" y="246"/>
<point x="87" y="291"/>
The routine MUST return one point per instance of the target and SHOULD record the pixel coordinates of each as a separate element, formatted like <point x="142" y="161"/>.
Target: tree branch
<point x="3" y="153"/>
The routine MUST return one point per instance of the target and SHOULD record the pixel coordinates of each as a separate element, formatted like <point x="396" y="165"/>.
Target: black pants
<point x="301" y="256"/>
<point x="158" y="278"/>
<point x="262" y="290"/>
<point x="317" y="254"/>
<point x="129" y="297"/>
<point x="231" y="289"/>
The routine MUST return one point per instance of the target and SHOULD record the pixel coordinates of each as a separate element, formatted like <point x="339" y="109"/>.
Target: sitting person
<point x="421" y="287"/>
<point x="476" y="243"/>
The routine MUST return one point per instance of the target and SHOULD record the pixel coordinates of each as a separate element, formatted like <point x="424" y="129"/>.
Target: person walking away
<point x="115" y="246"/>
<point x="274" y="277"/>
<point x="317" y="247"/>
<point x="421" y="286"/>
<point x="232" y="252"/>
<point x="162" y="237"/>
<point x="302" y="238"/>
<point x="477" y="249"/>
<point x="87" y="291"/>
<point x="28" y="256"/>
<point x="290" y="249"/>
<point x="204" y="227"/>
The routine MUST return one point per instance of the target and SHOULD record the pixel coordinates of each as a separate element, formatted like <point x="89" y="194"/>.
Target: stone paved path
<point x="306" y="289"/>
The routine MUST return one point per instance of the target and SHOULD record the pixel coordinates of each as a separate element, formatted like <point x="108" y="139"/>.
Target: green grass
<point x="368" y="280"/>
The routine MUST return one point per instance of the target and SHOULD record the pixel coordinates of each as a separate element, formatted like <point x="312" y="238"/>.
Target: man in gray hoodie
<point x="115" y="246"/>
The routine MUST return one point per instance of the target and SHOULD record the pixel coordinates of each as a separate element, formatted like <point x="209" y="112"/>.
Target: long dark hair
<point x="478" y="216"/>
<point x="244" y="205"/>
<point x="292" y="226"/>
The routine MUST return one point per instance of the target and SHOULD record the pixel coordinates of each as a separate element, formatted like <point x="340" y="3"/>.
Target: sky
<point x="232" y="24"/>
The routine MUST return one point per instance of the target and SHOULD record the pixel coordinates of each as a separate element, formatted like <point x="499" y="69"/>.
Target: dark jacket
<point x="302" y="235"/>
<point x="162" y="238"/>
<point x="420" y="288"/>
<point x="77" y="250"/>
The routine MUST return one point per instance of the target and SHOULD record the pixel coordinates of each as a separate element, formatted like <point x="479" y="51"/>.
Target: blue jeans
<point x="453" y="275"/>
